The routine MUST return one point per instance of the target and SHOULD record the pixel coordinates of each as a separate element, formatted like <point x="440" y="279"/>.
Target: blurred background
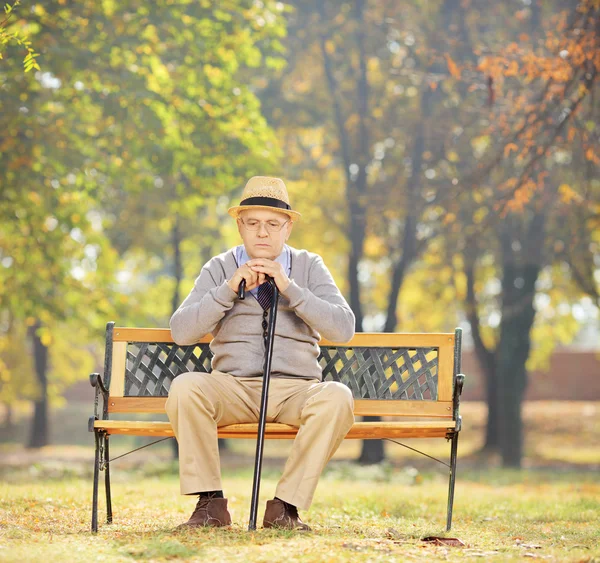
<point x="444" y="156"/>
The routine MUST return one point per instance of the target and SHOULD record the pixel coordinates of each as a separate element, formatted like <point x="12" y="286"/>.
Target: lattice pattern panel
<point x="151" y="367"/>
<point x="371" y="373"/>
<point x="383" y="373"/>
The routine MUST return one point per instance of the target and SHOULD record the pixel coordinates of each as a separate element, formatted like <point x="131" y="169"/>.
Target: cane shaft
<point x="260" y="439"/>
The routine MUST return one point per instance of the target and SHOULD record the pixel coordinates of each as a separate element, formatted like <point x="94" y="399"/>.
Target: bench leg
<point x="109" y="517"/>
<point x="96" y="478"/>
<point x="453" y="453"/>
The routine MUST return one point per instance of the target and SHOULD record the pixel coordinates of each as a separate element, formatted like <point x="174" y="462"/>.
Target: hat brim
<point x="235" y="211"/>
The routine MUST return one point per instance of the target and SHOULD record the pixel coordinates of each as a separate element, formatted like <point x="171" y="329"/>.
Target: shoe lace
<point x="202" y="504"/>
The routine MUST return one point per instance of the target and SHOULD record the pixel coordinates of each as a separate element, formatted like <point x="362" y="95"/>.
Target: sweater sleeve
<point x="202" y="309"/>
<point x="321" y="305"/>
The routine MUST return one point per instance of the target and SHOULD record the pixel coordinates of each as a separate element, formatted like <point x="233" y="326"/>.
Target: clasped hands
<point x="255" y="272"/>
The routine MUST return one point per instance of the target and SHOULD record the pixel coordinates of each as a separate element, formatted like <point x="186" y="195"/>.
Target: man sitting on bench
<point x="310" y="306"/>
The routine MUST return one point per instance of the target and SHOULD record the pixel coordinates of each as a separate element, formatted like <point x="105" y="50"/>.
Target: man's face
<point x="259" y="231"/>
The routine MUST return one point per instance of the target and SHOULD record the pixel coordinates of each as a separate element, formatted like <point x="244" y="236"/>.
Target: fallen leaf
<point x="452" y="542"/>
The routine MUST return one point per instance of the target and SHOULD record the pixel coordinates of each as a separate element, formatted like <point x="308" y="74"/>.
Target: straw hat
<point x="265" y="192"/>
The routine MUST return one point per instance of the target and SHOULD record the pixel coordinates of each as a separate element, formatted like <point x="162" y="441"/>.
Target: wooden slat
<point x="137" y="404"/>
<point x="392" y="340"/>
<point x="117" y="373"/>
<point x="360" y="430"/>
<point x="366" y="339"/>
<point x="446" y="369"/>
<point x="389" y="407"/>
<point x="128" y="334"/>
<point x="362" y="407"/>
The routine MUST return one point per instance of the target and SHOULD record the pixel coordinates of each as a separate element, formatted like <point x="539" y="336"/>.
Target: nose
<point x="262" y="230"/>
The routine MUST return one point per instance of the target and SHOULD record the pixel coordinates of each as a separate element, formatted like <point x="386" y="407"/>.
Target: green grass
<point x="549" y="511"/>
<point x="359" y="514"/>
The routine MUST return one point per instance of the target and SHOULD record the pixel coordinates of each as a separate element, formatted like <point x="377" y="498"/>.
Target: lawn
<point x="360" y="514"/>
<point x="549" y="511"/>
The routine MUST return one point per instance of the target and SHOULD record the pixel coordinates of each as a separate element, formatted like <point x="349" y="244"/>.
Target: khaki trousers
<point x="200" y="402"/>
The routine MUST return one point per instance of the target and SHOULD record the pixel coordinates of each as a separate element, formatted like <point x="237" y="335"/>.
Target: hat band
<point x="267" y="201"/>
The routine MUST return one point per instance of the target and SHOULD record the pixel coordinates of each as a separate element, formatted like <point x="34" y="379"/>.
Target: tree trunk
<point x="372" y="450"/>
<point x="491" y="429"/>
<point x="177" y="268"/>
<point x="520" y="273"/>
<point x="39" y="426"/>
<point x="513" y="351"/>
<point x="409" y="235"/>
<point x="175" y="299"/>
<point x="7" y="422"/>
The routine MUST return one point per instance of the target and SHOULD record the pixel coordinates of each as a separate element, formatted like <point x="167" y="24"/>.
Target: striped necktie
<point x="264" y="295"/>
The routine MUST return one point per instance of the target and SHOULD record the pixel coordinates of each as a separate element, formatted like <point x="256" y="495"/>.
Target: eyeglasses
<point x="270" y="226"/>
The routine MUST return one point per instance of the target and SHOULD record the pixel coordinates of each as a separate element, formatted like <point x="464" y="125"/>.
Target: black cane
<point x="260" y="439"/>
<point x="242" y="290"/>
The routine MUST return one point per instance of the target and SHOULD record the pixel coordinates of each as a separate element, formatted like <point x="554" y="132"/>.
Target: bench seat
<point x="273" y="430"/>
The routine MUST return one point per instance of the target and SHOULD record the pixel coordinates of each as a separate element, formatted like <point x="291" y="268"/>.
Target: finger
<point x="260" y="262"/>
<point x="264" y="269"/>
<point x="250" y="278"/>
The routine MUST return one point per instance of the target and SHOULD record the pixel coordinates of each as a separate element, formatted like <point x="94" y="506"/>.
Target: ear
<point x="289" y="227"/>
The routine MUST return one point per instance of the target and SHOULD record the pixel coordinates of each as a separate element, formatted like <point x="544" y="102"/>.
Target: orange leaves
<point x="453" y="68"/>
<point x="484" y="64"/>
<point x="591" y="155"/>
<point x="512" y="69"/>
<point x="510" y="147"/>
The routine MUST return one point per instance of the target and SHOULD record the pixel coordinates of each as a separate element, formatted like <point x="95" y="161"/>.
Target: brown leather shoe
<point x="280" y="514"/>
<point x="209" y="512"/>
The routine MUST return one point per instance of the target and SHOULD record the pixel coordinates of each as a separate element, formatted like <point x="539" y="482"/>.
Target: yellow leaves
<point x="452" y="156"/>
<point x="480" y="145"/>
<point x="34" y="197"/>
<point x="453" y="68"/>
<point x="479" y="215"/>
<point x="45" y="337"/>
<point x="568" y="194"/>
<point x="373" y="64"/>
<point x="374" y="246"/>
<point x="329" y="47"/>
<point x="316" y="151"/>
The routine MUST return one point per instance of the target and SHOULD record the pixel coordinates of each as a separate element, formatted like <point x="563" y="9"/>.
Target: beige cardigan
<point x="312" y="306"/>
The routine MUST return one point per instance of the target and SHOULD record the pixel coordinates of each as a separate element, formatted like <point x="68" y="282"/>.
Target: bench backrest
<point x="397" y="374"/>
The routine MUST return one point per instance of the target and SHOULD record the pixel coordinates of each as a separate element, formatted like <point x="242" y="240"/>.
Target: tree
<point x="115" y="120"/>
<point x="526" y="186"/>
<point x="10" y="33"/>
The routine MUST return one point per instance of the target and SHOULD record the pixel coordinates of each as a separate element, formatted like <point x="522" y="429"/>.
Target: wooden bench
<point x="415" y="377"/>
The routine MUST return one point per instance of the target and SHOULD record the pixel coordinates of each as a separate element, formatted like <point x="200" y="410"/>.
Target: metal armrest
<point x="98" y="384"/>
<point x="460" y="381"/>
<point x="96" y="380"/>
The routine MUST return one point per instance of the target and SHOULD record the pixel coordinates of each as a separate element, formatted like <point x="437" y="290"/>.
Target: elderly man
<point x="310" y="306"/>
